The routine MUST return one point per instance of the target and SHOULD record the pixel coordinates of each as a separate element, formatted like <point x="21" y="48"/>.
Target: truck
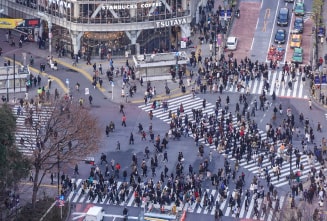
<point x="95" y="213"/>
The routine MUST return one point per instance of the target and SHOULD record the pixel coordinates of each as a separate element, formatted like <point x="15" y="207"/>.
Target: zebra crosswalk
<point x="29" y="124"/>
<point x="281" y="89"/>
<point x="190" y="103"/>
<point x="77" y="196"/>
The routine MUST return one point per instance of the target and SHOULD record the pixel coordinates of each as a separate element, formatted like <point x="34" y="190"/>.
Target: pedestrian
<point x="310" y="104"/>
<point x="90" y="99"/>
<point x="100" y="69"/>
<point x="31" y="176"/>
<point x="112" y="164"/>
<point x="166" y="171"/>
<point x="107" y="130"/>
<point x="165" y="156"/>
<point x="131" y="138"/>
<point x="210" y="155"/>
<point x="123" y="120"/>
<point x="76" y="170"/>
<point x="118" y="146"/>
<point x="51" y="177"/>
<point x="103" y="158"/>
<point x="100" y="82"/>
<point x="121" y="110"/>
<point x="143" y="135"/>
<point x="56" y="94"/>
<point x="147" y="151"/>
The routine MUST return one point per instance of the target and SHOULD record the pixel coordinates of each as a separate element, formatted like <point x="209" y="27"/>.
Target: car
<point x="296" y="41"/>
<point x="298" y="25"/>
<point x="297" y="55"/>
<point x="299" y="9"/>
<point x="231" y="43"/>
<point x="283" y="17"/>
<point x="280" y="36"/>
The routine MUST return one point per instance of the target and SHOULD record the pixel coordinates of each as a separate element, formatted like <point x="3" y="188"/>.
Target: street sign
<point x="87" y="91"/>
<point x="183" y="44"/>
<point x="60" y="201"/>
<point x="224" y="13"/>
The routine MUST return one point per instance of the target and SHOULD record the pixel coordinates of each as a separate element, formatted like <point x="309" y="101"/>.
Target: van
<point x="231" y="43"/>
<point x="95" y="213"/>
<point x="283" y="16"/>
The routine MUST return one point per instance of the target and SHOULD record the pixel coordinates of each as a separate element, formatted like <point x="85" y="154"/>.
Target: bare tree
<point x="65" y="133"/>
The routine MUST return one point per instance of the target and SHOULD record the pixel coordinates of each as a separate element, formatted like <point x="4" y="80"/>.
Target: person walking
<point x="90" y="99"/>
<point x="76" y="170"/>
<point x="123" y="120"/>
<point x="118" y="146"/>
<point x="166" y="171"/>
<point x="131" y="139"/>
<point x="121" y="110"/>
<point x="165" y="157"/>
<point x="31" y="176"/>
<point x="310" y="104"/>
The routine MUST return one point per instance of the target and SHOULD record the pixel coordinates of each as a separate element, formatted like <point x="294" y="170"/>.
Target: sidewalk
<point x="322" y="52"/>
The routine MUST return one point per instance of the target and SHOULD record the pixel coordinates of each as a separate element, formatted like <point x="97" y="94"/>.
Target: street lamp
<point x="291" y="172"/>
<point x="177" y="54"/>
<point x="8" y="68"/>
<point x="49" y="20"/>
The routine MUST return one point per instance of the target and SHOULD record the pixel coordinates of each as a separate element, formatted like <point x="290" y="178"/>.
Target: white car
<point x="231" y="43"/>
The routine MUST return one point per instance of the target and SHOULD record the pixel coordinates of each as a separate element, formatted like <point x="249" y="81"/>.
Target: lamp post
<point x="14" y="78"/>
<point x="8" y="68"/>
<point x="177" y="54"/>
<point x="58" y="174"/>
<point x="291" y="172"/>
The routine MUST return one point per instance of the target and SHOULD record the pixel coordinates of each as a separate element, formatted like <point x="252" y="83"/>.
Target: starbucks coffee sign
<point x="170" y="22"/>
<point x="131" y="6"/>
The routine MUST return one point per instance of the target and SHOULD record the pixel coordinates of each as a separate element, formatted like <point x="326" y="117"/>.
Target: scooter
<point x="237" y="13"/>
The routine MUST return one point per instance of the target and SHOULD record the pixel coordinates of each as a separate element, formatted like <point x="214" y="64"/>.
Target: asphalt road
<point x="263" y="21"/>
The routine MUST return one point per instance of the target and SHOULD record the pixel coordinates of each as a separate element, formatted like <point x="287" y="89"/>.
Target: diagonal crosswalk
<point x="255" y="86"/>
<point x="76" y="196"/>
<point x="190" y="103"/>
<point x="28" y="129"/>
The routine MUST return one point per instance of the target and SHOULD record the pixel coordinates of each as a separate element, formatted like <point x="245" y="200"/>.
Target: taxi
<point x="296" y="41"/>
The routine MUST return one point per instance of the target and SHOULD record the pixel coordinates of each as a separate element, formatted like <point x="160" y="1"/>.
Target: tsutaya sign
<point x="131" y="6"/>
<point x="60" y="3"/>
<point x="171" y="22"/>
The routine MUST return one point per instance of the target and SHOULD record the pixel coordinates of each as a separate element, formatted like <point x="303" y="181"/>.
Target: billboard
<point x="10" y="23"/>
<point x="30" y="23"/>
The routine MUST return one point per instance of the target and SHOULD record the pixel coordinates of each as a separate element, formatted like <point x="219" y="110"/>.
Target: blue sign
<point x="324" y="79"/>
<point x="222" y="13"/>
<point x="317" y="79"/>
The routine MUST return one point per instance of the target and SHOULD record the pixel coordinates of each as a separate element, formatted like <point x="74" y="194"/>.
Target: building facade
<point x="107" y="27"/>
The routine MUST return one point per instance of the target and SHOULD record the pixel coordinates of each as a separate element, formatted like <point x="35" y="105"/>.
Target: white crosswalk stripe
<point x="25" y="131"/>
<point x="281" y="89"/>
<point x="76" y="196"/>
<point x="190" y="103"/>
